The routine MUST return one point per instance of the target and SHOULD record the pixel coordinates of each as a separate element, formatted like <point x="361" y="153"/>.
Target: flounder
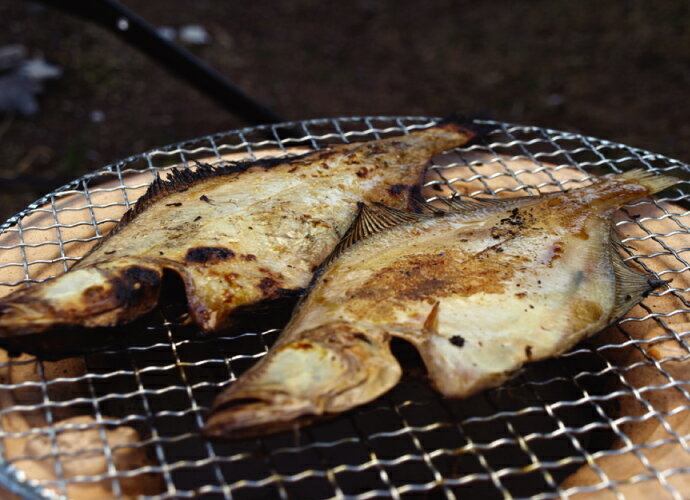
<point x="240" y="235"/>
<point x="478" y="289"/>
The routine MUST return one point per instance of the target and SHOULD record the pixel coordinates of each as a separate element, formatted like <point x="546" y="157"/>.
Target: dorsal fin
<point x="477" y="206"/>
<point x="370" y="220"/>
<point x="180" y="179"/>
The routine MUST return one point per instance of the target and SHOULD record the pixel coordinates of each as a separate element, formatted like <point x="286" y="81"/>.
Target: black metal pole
<point x="137" y="32"/>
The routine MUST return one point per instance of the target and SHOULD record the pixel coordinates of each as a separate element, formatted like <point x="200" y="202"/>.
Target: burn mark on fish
<point x="374" y="149"/>
<point x="133" y="283"/>
<point x="362" y="337"/>
<point x="230" y="278"/>
<point x="268" y="286"/>
<point x="176" y="204"/>
<point x="198" y="217"/>
<point x="109" y="252"/>
<point x="498" y="232"/>
<point x="581" y="233"/>
<point x="514" y="219"/>
<point x="362" y="172"/>
<point x="421" y="276"/>
<point x="553" y="253"/>
<point x="457" y="341"/>
<point x="205" y="198"/>
<point x="528" y="351"/>
<point x="396" y="189"/>
<point x="205" y="255"/>
<point x="305" y="346"/>
<point x="248" y="257"/>
<point x="92" y="293"/>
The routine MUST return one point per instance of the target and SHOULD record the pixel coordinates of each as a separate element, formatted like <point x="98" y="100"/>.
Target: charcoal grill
<point x="560" y="429"/>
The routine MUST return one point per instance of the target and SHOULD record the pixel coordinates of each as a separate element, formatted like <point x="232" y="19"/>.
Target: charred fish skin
<point x="479" y="290"/>
<point x="240" y="236"/>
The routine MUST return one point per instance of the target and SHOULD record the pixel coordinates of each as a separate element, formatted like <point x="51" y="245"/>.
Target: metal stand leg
<point x="137" y="32"/>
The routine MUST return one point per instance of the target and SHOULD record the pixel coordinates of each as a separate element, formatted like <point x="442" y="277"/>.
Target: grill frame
<point x="588" y="155"/>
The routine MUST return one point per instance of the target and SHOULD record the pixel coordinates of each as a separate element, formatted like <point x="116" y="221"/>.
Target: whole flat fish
<point x="239" y="235"/>
<point x="478" y="289"/>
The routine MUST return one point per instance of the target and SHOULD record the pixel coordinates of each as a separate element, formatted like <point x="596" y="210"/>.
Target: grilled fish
<point x="238" y="235"/>
<point x="478" y="289"/>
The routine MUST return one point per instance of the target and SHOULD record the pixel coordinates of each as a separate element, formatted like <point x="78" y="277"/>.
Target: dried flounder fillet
<point x="479" y="290"/>
<point x="238" y="235"/>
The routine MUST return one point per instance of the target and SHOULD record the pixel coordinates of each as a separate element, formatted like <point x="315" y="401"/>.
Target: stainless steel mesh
<point x="520" y="440"/>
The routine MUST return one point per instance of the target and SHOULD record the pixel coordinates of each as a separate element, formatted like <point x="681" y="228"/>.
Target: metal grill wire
<point x="517" y="441"/>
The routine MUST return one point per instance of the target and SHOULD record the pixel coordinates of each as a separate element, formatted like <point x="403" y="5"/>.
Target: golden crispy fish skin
<point x="237" y="235"/>
<point x="479" y="290"/>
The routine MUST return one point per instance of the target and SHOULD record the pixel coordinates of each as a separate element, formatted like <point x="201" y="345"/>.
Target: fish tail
<point x="650" y="180"/>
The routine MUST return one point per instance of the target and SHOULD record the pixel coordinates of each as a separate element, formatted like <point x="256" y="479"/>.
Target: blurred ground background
<point x="616" y="70"/>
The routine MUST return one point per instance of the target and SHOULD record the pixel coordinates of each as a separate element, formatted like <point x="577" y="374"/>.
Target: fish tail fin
<point x="650" y="180"/>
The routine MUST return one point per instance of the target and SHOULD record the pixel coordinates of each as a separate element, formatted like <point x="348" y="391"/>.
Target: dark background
<point x="615" y="70"/>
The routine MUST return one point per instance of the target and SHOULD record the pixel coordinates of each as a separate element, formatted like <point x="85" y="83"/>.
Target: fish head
<point x="328" y="369"/>
<point x="99" y="295"/>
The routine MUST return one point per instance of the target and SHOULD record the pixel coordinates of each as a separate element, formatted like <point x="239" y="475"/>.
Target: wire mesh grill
<point x="522" y="440"/>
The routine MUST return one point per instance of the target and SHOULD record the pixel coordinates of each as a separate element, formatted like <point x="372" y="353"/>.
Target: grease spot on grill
<point x="204" y="255"/>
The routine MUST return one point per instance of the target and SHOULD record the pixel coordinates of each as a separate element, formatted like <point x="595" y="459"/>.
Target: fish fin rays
<point x="475" y="206"/>
<point x="377" y="217"/>
<point x="631" y="287"/>
<point x="653" y="182"/>
<point x="370" y="220"/>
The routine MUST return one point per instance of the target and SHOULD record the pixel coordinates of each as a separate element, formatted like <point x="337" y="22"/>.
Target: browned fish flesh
<point x="238" y="235"/>
<point x="478" y="289"/>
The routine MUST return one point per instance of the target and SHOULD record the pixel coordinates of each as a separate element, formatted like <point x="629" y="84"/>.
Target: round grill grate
<point x="525" y="439"/>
